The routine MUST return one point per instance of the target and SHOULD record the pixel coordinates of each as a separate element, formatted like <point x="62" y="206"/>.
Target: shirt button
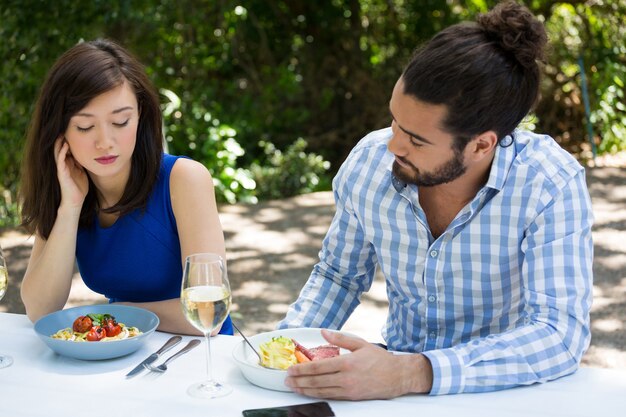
<point x="432" y="335"/>
<point x="432" y="298"/>
<point x="433" y="253"/>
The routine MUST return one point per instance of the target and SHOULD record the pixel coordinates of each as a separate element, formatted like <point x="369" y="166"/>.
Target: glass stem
<point x="209" y="367"/>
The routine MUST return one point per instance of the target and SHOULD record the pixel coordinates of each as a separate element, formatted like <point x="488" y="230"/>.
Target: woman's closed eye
<point x="122" y="124"/>
<point x="84" y="129"/>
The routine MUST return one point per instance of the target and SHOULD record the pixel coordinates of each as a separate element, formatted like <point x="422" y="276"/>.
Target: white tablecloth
<point x="41" y="383"/>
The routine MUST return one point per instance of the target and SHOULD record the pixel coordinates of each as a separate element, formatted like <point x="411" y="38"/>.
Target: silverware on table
<point x="163" y="367"/>
<point x="173" y="341"/>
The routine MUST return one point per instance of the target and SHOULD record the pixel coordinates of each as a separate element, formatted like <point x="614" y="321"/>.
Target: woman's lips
<point x="106" y="160"/>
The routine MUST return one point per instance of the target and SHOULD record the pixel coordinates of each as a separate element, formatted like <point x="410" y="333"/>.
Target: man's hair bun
<point x="517" y="31"/>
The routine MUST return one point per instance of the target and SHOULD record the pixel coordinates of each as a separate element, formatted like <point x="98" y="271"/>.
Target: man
<point x="482" y="231"/>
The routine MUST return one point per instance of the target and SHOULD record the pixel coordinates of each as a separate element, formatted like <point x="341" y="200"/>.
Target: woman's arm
<point x="170" y="314"/>
<point x="195" y="209"/>
<point x="199" y="230"/>
<point x="48" y="278"/>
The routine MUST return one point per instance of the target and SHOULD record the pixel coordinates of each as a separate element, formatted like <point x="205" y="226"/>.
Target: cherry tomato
<point x="96" y="334"/>
<point x="112" y="328"/>
<point x="82" y="324"/>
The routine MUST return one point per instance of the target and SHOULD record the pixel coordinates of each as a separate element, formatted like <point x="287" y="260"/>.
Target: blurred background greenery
<point x="271" y="95"/>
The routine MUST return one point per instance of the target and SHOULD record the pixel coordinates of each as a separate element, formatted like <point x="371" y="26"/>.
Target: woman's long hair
<point x="79" y="75"/>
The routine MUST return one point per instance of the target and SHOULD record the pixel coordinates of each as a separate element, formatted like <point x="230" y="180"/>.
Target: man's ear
<point x="483" y="145"/>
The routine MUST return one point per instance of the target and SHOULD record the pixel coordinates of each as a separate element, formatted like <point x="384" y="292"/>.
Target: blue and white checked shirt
<point x="500" y="299"/>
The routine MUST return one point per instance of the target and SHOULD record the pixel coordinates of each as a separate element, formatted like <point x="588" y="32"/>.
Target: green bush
<point x="594" y="32"/>
<point x="236" y="73"/>
<point x="289" y="173"/>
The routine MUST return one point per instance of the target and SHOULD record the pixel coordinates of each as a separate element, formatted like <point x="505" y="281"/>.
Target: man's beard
<point x="447" y="172"/>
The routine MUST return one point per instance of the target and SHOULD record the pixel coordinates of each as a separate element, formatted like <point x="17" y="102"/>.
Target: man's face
<point x="425" y="155"/>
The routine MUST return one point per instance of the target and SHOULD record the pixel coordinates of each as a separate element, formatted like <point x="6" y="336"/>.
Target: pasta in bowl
<point x="128" y="327"/>
<point x="96" y="328"/>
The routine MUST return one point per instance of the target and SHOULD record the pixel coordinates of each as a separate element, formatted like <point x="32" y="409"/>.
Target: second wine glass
<point x="205" y="298"/>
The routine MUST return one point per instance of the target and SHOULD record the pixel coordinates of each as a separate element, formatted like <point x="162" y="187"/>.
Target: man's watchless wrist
<point x="418" y="373"/>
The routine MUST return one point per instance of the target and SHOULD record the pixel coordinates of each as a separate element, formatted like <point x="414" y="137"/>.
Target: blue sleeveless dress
<point x="138" y="258"/>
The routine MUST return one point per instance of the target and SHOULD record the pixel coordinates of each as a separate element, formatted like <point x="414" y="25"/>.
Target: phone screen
<point x="318" y="409"/>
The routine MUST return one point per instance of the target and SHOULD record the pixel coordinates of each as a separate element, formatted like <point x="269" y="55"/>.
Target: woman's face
<point x="102" y="135"/>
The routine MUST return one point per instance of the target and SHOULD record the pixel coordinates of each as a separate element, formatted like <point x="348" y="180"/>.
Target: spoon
<point x="251" y="347"/>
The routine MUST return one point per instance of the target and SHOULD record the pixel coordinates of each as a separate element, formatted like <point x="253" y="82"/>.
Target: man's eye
<point x="121" y="124"/>
<point x="414" y="142"/>
<point x="83" y="129"/>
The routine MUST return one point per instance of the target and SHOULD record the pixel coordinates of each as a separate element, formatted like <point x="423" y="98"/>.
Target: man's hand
<point x="369" y="372"/>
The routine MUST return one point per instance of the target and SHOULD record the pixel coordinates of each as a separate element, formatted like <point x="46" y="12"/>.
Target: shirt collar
<point x="502" y="161"/>
<point x="388" y="160"/>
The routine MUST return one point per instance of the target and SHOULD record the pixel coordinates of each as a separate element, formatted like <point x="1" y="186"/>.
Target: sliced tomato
<point x="96" y="334"/>
<point x="82" y="324"/>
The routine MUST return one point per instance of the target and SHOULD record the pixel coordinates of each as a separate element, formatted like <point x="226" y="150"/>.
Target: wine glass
<point x="4" y="282"/>
<point x="205" y="298"/>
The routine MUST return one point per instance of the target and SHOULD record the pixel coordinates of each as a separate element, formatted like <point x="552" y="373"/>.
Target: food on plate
<point x="96" y="328"/>
<point x="282" y="352"/>
<point x="317" y="353"/>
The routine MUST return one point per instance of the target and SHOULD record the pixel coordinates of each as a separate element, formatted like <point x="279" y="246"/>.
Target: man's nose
<point x="396" y="145"/>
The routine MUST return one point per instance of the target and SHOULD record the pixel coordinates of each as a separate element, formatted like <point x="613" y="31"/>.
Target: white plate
<point x="273" y="379"/>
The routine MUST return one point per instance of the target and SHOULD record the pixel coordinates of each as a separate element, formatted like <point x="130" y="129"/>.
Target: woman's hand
<point x="72" y="177"/>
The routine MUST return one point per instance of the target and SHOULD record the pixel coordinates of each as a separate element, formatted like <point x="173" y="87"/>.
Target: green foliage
<point x="239" y="78"/>
<point x="32" y="39"/>
<point x="210" y="142"/>
<point x="595" y="32"/>
<point x="289" y="173"/>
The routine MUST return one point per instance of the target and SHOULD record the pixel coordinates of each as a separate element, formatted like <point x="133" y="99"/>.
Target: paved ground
<point x="272" y="247"/>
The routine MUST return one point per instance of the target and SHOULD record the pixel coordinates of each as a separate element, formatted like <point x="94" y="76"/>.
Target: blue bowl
<point x="146" y="321"/>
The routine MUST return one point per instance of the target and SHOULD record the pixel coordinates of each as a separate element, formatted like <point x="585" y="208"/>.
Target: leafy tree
<point x="242" y="81"/>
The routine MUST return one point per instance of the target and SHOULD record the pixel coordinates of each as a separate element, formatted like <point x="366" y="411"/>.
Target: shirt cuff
<point x="448" y="371"/>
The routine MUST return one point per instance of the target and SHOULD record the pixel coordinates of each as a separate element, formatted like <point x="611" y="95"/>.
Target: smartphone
<point x="317" y="409"/>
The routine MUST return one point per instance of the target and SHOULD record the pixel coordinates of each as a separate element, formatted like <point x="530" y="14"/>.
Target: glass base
<point x="209" y="389"/>
<point x="5" y="361"/>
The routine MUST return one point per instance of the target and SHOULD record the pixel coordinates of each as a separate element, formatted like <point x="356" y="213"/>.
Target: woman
<point x="98" y="189"/>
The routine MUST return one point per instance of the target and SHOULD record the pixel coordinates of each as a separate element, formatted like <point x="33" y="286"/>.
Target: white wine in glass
<point x="4" y="282"/>
<point x="205" y="299"/>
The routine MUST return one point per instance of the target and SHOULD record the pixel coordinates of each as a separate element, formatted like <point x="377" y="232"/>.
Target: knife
<point x="173" y="341"/>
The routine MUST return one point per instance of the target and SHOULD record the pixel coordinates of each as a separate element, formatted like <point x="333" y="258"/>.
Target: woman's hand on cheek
<point x="72" y="177"/>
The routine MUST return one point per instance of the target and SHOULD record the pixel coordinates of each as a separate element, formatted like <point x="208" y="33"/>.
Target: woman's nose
<point x="105" y="139"/>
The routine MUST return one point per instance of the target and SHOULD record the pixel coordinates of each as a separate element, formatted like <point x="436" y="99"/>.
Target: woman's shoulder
<point x="187" y="172"/>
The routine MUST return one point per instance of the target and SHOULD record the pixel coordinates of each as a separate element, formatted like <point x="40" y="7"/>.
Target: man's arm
<point x="345" y="270"/>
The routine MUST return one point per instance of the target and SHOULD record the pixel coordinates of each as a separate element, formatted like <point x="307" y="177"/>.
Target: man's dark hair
<point x="486" y="73"/>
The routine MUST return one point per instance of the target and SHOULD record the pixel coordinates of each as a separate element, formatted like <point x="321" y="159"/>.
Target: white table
<point x="41" y="383"/>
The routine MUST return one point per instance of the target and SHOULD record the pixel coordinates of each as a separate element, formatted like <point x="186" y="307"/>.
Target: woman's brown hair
<point x="79" y="75"/>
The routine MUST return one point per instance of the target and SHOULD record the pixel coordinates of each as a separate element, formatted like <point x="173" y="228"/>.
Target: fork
<point x="163" y="367"/>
